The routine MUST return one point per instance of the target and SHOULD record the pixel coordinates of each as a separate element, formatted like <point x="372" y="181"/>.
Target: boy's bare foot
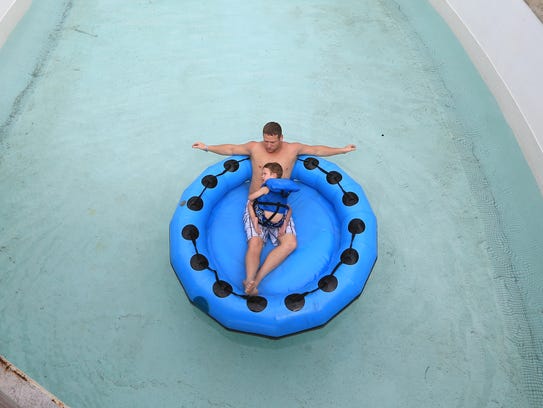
<point x="250" y="288"/>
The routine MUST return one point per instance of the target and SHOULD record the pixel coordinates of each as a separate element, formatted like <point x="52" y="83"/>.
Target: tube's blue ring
<point x="208" y="281"/>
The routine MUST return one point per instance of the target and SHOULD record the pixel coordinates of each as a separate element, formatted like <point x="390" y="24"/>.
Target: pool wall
<point x="11" y="11"/>
<point x="509" y="59"/>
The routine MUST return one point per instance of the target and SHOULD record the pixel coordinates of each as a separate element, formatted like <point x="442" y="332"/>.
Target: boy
<point x="269" y="213"/>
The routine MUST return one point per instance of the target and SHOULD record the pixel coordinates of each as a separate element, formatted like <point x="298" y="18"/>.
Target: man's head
<point x="271" y="170"/>
<point x="273" y="136"/>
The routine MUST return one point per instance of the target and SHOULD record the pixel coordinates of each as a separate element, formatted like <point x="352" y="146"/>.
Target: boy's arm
<point x="259" y="193"/>
<point x="252" y="197"/>
<point x="226" y="149"/>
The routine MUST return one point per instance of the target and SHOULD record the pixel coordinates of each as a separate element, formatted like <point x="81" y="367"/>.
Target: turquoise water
<point x="100" y="103"/>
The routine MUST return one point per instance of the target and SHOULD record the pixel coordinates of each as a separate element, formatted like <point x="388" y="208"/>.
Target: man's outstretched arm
<point x="225" y="149"/>
<point x="324" y="151"/>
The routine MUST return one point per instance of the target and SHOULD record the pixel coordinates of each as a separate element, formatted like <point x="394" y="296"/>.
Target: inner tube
<point x="336" y="231"/>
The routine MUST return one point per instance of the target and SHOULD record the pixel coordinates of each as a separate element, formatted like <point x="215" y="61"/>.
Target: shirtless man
<point x="271" y="149"/>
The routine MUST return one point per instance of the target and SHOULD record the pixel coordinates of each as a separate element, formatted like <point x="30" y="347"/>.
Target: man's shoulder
<point x="293" y="147"/>
<point x="251" y="146"/>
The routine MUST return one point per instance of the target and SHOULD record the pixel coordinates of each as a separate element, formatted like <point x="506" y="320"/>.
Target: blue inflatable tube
<point x="337" y="248"/>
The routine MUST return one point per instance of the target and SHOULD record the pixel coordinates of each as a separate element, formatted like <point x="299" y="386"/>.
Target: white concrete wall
<point x="11" y="11"/>
<point x="18" y="390"/>
<point x="504" y="39"/>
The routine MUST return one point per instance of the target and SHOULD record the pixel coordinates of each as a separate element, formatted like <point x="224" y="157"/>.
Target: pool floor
<point x="102" y="102"/>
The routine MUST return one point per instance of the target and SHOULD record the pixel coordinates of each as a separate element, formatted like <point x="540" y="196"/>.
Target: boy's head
<point x="272" y="170"/>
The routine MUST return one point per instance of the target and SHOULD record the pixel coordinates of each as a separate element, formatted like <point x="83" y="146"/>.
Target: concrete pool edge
<point x="19" y="390"/>
<point x="10" y="14"/>
<point x="516" y="87"/>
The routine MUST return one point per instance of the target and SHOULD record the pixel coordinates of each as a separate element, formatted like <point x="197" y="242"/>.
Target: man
<point x="271" y="149"/>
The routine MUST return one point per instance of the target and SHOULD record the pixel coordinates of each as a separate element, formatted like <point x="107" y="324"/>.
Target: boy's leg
<point x="287" y="244"/>
<point x="255" y="243"/>
<point x="252" y="261"/>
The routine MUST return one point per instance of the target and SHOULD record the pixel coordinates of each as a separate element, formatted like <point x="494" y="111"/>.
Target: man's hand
<point x="199" y="145"/>
<point x="349" y="148"/>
